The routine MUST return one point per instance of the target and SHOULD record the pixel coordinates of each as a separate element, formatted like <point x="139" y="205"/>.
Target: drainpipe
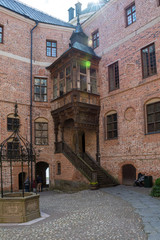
<point x="31" y="104"/>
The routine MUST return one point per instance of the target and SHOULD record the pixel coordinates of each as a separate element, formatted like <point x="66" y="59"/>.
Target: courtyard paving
<point x="117" y="213"/>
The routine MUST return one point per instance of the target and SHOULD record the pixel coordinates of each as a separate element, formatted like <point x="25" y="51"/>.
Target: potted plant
<point x="93" y="185"/>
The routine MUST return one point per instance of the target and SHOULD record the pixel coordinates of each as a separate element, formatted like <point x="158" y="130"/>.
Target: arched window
<point x="41" y="131"/>
<point x="12" y="122"/>
<point x="153" y="116"/>
<point x="111" y="125"/>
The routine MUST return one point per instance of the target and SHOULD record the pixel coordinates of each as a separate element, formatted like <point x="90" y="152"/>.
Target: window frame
<point x="154" y="103"/>
<point x="96" y="40"/>
<point x="41" y="131"/>
<point x="1" y="26"/>
<point x="126" y="16"/>
<point x="40" y="86"/>
<point x="107" y="131"/>
<point x="116" y="81"/>
<point x="51" y="41"/>
<point x="142" y="61"/>
<point x="13" y="123"/>
<point x="59" y="168"/>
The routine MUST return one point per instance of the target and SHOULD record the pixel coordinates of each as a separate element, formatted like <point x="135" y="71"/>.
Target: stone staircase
<point x="86" y="165"/>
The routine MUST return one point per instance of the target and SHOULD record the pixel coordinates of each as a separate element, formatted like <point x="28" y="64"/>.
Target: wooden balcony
<point x="75" y="96"/>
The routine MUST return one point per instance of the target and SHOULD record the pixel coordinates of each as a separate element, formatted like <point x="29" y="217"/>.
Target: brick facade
<point x="117" y="43"/>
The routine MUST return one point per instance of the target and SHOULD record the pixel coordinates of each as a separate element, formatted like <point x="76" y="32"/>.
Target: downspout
<point x="31" y="105"/>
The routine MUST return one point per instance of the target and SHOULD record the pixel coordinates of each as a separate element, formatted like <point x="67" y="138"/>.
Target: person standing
<point x="39" y="183"/>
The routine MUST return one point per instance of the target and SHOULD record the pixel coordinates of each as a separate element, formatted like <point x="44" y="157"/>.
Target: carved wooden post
<point x="62" y="136"/>
<point x="77" y="140"/>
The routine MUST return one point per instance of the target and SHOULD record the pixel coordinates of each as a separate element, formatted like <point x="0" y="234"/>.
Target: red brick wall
<point x="124" y="44"/>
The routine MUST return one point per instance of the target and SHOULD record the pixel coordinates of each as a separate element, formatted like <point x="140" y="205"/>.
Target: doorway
<point x="128" y="174"/>
<point x="21" y="179"/>
<point x="42" y="169"/>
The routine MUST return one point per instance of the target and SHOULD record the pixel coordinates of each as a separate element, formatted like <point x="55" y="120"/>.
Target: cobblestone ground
<point x="86" y="215"/>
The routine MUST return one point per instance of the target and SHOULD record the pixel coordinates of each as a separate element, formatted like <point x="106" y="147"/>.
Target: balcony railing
<point x="75" y="96"/>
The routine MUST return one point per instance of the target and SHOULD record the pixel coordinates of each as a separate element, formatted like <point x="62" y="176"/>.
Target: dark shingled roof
<point x="84" y="48"/>
<point x="31" y="13"/>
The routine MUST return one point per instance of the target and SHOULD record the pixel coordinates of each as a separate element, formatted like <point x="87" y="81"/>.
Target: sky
<point x="56" y="8"/>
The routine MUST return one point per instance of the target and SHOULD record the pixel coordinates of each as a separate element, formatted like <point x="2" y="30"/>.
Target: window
<point x="68" y="79"/>
<point x="12" y="122"/>
<point x="61" y="83"/>
<point x="131" y="14"/>
<point x="113" y="72"/>
<point x="112" y="131"/>
<point x="58" y="168"/>
<point x="51" y="48"/>
<point x="13" y="149"/>
<point x="55" y="82"/>
<point x="1" y="34"/>
<point x="153" y="117"/>
<point x="41" y="132"/>
<point x="93" y="80"/>
<point x="149" y="61"/>
<point x="40" y="90"/>
<point x="83" y="77"/>
<point x="95" y="39"/>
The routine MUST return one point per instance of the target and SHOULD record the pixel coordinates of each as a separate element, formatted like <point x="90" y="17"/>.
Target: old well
<point x="17" y="207"/>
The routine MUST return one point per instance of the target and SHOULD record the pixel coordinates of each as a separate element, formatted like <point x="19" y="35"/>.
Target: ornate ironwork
<point x="16" y="149"/>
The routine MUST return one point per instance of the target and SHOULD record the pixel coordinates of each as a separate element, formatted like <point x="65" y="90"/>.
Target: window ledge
<point x="152" y="133"/>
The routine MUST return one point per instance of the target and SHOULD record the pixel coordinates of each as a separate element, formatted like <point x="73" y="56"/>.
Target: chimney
<point x="71" y="13"/>
<point x="78" y="8"/>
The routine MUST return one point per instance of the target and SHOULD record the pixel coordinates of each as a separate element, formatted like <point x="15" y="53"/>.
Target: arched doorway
<point x="128" y="174"/>
<point x="42" y="169"/>
<point x="21" y="179"/>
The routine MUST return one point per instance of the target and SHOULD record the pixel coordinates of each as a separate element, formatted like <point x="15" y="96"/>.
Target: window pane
<point x="48" y="44"/>
<point x="157" y="117"/>
<point x="43" y="82"/>
<point x="48" y="51"/>
<point x="83" y="68"/>
<point x="113" y="76"/>
<point x="129" y="11"/>
<point x="37" y="81"/>
<point x="54" y="44"/>
<point x="134" y="16"/>
<point x="92" y="72"/>
<point x="41" y="133"/>
<point x="150" y="118"/>
<point x="0" y="29"/>
<point x="157" y="127"/>
<point x="149" y="61"/>
<point x="112" y="126"/>
<point x="54" y="52"/>
<point x="129" y="19"/>
<point x="157" y="107"/>
<point x="83" y="83"/>
<point x="61" y="75"/>
<point x="37" y="89"/>
<point x="133" y="8"/>
<point x="68" y="70"/>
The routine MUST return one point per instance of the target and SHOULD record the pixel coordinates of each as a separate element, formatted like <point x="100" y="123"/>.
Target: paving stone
<point x="86" y="215"/>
